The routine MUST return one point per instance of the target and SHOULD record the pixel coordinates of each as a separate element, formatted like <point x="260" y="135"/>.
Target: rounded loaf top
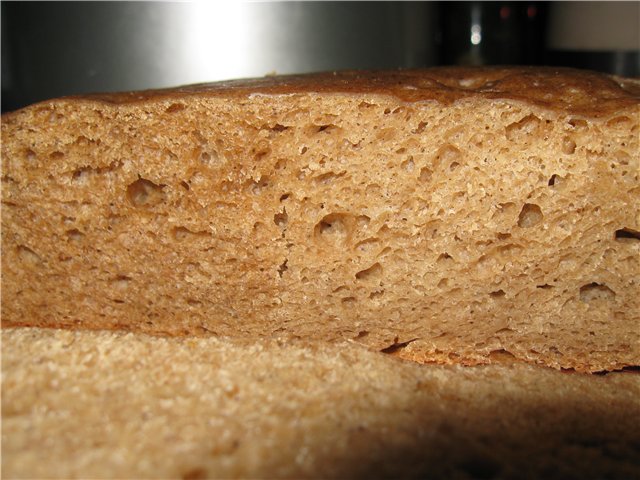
<point x="577" y="91"/>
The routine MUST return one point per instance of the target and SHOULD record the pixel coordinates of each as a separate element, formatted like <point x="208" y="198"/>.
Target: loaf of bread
<point x="79" y="404"/>
<point x="444" y="214"/>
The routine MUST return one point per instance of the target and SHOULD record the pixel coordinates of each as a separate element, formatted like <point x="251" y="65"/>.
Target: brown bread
<point x="444" y="214"/>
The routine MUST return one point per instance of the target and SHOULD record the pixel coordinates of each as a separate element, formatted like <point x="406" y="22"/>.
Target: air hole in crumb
<point x="56" y="155"/>
<point x="143" y="193"/>
<point x="508" y="249"/>
<point x="370" y="274"/>
<point x="505" y="209"/>
<point x="596" y="291"/>
<point x="377" y="294"/>
<point x="258" y="186"/>
<point x="447" y="155"/>
<point x="28" y="256"/>
<point x="619" y="121"/>
<point x="175" y="107"/>
<point x="279" y="128"/>
<point x="205" y="157"/>
<point x="282" y="268"/>
<point x="281" y="219"/>
<point x="443" y="283"/>
<point x="444" y="257"/>
<point x="367" y="244"/>
<point x="453" y="166"/>
<point x="396" y="345"/>
<point x="80" y="174"/>
<point x="332" y="227"/>
<point x="348" y="300"/>
<point x="121" y="282"/>
<point x="546" y="286"/>
<point x="420" y="128"/>
<point x="363" y="221"/>
<point x="361" y="334"/>
<point x="185" y="185"/>
<point x="30" y="155"/>
<point x="425" y="174"/>
<point x="328" y="177"/>
<point x="627" y="234"/>
<point x="328" y="128"/>
<point x="497" y="294"/>
<point x="530" y="215"/>
<point x="501" y="356"/>
<point x="258" y="227"/>
<point x="568" y="146"/>
<point x="553" y="180"/>
<point x="408" y="165"/>
<point x="623" y="158"/>
<point x="578" y="124"/>
<point x="525" y="127"/>
<point x="181" y="233"/>
<point x="386" y="134"/>
<point x="504" y="330"/>
<point x="284" y="197"/>
<point x="281" y="164"/>
<point x="74" y="234"/>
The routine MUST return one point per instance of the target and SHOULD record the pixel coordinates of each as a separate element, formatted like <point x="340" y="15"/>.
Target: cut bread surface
<point x="445" y="214"/>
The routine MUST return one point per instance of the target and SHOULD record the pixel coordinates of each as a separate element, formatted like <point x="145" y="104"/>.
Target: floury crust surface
<point x="80" y="404"/>
<point x="444" y="214"/>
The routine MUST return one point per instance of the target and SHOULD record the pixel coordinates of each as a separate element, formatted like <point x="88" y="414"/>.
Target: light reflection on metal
<point x="476" y="24"/>
<point x="217" y="40"/>
<point x="476" y="34"/>
<point x="140" y="45"/>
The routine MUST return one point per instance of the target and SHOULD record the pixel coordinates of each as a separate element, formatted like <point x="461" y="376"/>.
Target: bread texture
<point x="444" y="213"/>
<point x="82" y="404"/>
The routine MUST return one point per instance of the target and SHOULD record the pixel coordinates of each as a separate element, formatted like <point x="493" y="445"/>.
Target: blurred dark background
<point x="52" y="49"/>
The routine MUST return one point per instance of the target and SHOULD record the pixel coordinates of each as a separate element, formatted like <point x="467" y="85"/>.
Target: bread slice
<point x="446" y="213"/>
<point x="80" y="404"/>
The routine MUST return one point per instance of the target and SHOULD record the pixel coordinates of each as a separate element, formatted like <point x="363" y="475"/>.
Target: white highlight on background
<point x="476" y="34"/>
<point x="217" y="40"/>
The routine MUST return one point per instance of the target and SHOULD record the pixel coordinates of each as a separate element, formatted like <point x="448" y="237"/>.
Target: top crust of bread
<point x="575" y="91"/>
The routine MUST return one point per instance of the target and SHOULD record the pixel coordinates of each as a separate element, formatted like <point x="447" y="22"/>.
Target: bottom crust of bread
<point x="82" y="404"/>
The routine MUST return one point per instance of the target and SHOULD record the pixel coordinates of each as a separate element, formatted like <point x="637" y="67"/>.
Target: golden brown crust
<point x="577" y="91"/>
